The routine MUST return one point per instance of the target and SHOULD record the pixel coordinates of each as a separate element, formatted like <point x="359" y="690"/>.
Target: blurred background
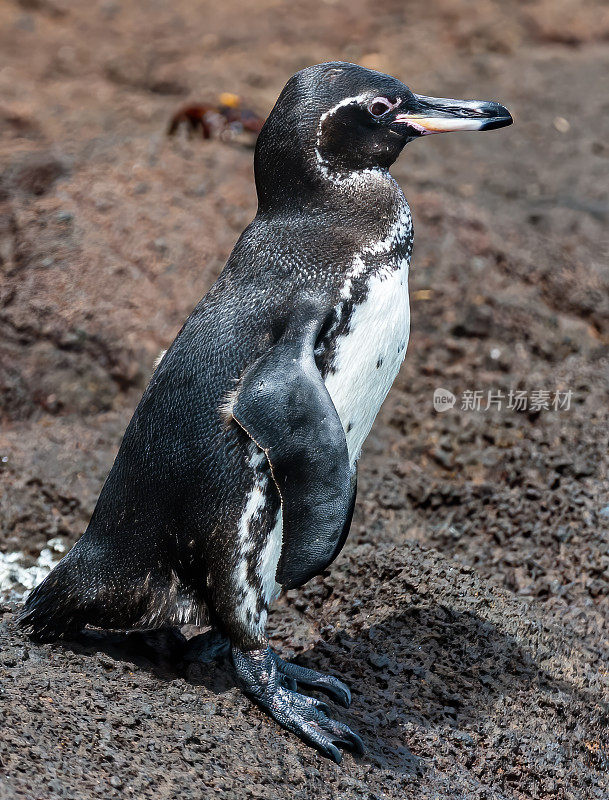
<point x="110" y="232"/>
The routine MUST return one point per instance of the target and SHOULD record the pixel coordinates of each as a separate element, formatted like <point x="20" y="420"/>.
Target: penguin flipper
<point x="283" y="405"/>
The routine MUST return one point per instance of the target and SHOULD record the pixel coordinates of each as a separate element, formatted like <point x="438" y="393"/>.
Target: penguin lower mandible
<point x="236" y="476"/>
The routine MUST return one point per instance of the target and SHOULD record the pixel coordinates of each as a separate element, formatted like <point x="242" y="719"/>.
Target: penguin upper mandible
<point x="236" y="477"/>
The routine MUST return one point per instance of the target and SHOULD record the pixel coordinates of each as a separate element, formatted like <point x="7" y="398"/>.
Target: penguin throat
<point x="355" y="179"/>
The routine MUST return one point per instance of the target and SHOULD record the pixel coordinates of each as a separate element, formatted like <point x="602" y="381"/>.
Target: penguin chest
<point x="369" y="353"/>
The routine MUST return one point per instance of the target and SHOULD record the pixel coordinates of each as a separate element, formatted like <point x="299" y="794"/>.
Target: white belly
<point x="369" y="356"/>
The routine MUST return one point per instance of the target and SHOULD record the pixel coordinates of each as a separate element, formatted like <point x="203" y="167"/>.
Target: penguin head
<point x="338" y="118"/>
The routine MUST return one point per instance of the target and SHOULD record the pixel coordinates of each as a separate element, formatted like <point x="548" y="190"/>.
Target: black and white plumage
<point x="236" y="475"/>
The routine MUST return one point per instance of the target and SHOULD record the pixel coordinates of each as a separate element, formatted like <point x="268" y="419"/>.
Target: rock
<point x="36" y="173"/>
<point x="378" y="661"/>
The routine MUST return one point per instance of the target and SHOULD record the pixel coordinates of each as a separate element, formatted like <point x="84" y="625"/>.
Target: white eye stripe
<point x="349" y="179"/>
<point x="381" y="105"/>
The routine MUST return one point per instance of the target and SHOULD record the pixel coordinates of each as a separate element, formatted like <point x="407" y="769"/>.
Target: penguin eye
<point x="379" y="106"/>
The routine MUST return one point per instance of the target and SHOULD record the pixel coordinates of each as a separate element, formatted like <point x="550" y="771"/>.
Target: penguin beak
<point x="425" y="115"/>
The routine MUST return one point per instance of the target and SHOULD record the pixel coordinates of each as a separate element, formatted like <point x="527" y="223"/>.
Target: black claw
<point x="339" y="692"/>
<point x="343" y="735"/>
<point x="312" y="734"/>
<point x="335" y="754"/>
<point x="268" y="680"/>
<point x="327" y="684"/>
<point x="355" y="744"/>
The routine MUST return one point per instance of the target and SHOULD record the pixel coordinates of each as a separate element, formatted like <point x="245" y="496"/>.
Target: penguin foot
<point x="328" y="684"/>
<point x="307" y="717"/>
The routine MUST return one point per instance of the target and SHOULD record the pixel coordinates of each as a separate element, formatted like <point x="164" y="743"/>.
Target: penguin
<point x="236" y="476"/>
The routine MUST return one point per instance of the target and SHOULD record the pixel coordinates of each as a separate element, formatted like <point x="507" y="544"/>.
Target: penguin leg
<point x="305" y="716"/>
<point x="207" y="647"/>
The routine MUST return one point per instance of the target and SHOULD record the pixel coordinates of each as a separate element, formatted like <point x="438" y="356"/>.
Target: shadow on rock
<point x="165" y="652"/>
<point x="431" y="668"/>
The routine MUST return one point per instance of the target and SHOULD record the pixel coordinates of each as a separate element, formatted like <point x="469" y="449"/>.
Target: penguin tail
<point x="87" y="589"/>
<point x="53" y="609"/>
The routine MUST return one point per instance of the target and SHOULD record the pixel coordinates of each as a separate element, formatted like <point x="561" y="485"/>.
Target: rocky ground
<point x="469" y="609"/>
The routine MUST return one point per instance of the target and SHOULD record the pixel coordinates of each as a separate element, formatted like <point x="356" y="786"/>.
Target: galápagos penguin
<point x="236" y="476"/>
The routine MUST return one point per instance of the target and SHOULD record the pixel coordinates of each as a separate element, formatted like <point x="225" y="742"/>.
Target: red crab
<point x="227" y="120"/>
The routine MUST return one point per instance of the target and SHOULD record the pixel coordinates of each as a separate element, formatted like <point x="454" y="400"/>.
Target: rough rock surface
<point x="469" y="610"/>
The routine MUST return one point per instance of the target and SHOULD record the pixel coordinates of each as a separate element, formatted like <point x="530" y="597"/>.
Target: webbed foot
<point x="263" y="680"/>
